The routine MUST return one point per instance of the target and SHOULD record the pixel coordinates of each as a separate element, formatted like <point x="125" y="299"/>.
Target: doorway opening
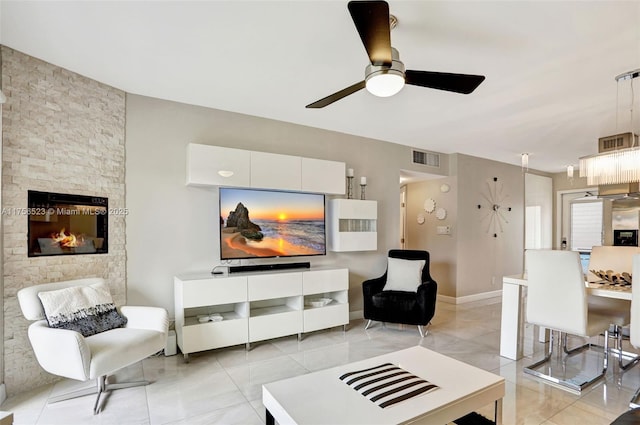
<point x="406" y="179"/>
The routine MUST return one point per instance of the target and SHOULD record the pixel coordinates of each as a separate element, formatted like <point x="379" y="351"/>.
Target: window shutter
<point x="586" y="225"/>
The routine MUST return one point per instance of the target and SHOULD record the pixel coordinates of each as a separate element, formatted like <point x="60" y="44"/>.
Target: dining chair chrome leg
<point x="633" y="359"/>
<point x="529" y="369"/>
<point x="368" y="324"/>
<point x="635" y="403"/>
<point x="606" y="352"/>
<point x="579" y="348"/>
<point x="570" y="384"/>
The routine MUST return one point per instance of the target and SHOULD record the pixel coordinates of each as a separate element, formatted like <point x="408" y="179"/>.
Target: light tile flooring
<point x="224" y="386"/>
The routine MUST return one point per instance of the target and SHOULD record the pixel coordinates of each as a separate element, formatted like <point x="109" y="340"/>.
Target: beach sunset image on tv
<point x="264" y="223"/>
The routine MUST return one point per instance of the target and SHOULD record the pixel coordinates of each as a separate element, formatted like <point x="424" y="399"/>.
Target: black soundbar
<point x="268" y="267"/>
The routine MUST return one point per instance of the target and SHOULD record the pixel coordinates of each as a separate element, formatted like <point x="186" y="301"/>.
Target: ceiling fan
<point x="386" y="75"/>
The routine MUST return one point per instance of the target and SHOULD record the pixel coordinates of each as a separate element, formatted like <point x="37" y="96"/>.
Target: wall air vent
<point x="425" y="158"/>
<point x="617" y="141"/>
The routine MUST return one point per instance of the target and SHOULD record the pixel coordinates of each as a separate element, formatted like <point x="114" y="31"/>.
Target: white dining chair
<point x="634" y="326"/>
<point x="557" y="300"/>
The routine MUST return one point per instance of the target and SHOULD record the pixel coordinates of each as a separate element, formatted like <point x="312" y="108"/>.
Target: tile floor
<point x="224" y="386"/>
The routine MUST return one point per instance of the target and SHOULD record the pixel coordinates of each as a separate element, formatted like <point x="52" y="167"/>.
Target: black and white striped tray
<point x="387" y="384"/>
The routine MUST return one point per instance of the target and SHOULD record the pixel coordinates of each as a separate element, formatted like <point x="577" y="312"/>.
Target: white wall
<point x="471" y="260"/>
<point x="442" y="248"/>
<point x="172" y="228"/>
<point x="482" y="258"/>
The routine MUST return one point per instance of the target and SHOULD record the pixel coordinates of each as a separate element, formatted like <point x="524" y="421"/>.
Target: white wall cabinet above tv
<point x="352" y="225"/>
<point x="257" y="306"/>
<point x="209" y="166"/>
<point x="273" y="171"/>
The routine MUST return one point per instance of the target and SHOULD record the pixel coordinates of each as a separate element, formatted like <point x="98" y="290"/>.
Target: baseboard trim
<point x="355" y="315"/>
<point x="470" y="298"/>
<point x="359" y="314"/>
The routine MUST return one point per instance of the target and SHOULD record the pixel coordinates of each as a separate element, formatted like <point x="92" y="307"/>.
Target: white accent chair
<point x="557" y="300"/>
<point x="68" y="354"/>
<point x="619" y="259"/>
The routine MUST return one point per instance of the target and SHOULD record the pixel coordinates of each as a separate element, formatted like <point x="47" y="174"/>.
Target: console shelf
<point x="226" y="317"/>
<point x="257" y="306"/>
<point x="266" y="311"/>
<point x="352" y="225"/>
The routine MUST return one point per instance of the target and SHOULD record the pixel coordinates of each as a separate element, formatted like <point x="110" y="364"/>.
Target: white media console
<point x="257" y="306"/>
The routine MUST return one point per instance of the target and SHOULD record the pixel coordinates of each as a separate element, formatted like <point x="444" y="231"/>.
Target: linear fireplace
<point x="63" y="224"/>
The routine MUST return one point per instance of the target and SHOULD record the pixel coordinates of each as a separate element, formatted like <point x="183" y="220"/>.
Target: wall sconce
<point x="225" y="173"/>
<point x="570" y="172"/>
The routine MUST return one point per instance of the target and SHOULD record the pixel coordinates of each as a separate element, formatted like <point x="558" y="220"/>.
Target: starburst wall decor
<point x="494" y="197"/>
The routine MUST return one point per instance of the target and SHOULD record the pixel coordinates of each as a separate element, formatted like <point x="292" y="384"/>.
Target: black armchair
<point x="395" y="306"/>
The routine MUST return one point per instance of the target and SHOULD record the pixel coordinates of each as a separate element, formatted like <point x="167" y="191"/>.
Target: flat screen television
<point x="256" y="223"/>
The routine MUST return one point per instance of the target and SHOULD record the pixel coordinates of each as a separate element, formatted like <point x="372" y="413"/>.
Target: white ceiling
<point x="549" y="65"/>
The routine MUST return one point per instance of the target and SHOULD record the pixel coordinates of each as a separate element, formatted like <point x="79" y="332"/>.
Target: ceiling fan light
<point x="385" y="83"/>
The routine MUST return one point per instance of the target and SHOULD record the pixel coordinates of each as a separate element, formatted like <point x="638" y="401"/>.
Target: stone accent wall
<point x="62" y="132"/>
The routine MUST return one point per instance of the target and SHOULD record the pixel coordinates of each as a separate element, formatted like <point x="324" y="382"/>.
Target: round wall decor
<point x="429" y="205"/>
<point x="420" y="218"/>
<point x="441" y="214"/>
<point x="444" y="188"/>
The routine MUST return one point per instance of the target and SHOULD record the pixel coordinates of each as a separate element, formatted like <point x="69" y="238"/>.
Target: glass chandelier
<point x="619" y="166"/>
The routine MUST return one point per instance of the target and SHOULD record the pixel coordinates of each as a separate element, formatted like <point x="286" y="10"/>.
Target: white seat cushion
<point x="118" y="348"/>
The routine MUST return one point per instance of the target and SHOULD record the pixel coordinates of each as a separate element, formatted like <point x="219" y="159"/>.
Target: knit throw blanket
<point x="85" y="309"/>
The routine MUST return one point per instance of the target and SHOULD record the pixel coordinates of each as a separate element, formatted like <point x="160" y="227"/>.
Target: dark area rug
<point x="473" y="418"/>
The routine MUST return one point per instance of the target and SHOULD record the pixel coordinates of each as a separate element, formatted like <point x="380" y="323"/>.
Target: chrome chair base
<point x="632" y="358"/>
<point x="635" y="403"/>
<point x="422" y="329"/>
<point x="101" y="387"/>
<point x="573" y="386"/>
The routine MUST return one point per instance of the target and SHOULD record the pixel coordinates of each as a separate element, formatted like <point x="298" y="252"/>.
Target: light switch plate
<point x="443" y="230"/>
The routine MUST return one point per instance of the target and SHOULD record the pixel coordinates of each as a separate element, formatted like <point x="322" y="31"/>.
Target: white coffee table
<point x="322" y="398"/>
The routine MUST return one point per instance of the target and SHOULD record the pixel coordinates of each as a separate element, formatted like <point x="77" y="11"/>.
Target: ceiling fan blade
<point x="459" y="83"/>
<point x="371" y="19"/>
<point x="337" y="96"/>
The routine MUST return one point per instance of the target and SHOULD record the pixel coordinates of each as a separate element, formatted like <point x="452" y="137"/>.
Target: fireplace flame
<point x="66" y="240"/>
